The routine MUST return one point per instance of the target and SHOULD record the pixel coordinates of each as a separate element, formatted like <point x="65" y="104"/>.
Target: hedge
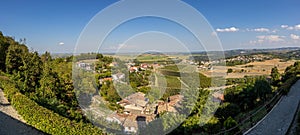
<point x="286" y="86"/>
<point x="41" y="118"/>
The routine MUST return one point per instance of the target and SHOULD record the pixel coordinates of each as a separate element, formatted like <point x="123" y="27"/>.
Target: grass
<point x="173" y="82"/>
<point x="171" y="68"/>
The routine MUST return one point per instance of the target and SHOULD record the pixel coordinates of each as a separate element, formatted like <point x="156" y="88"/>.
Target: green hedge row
<point x="286" y="86"/>
<point x="41" y="118"/>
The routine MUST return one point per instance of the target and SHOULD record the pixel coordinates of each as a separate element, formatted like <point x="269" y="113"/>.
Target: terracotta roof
<point x="218" y="95"/>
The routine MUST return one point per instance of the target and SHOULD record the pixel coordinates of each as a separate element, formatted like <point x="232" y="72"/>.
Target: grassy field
<point x="173" y="82"/>
<point x="149" y="57"/>
<point x="251" y="69"/>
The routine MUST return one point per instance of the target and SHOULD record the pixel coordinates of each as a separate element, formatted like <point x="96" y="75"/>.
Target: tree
<point x="4" y="44"/>
<point x="46" y="57"/>
<point x="230" y="123"/>
<point x="226" y="110"/>
<point x="229" y="70"/>
<point x="32" y="71"/>
<point x="262" y="89"/>
<point x="14" y="58"/>
<point x="50" y="84"/>
<point x="275" y="75"/>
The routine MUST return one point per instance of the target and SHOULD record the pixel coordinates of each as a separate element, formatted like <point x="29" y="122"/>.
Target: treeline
<point x="290" y="76"/>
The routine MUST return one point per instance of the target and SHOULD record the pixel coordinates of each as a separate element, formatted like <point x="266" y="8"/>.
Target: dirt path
<point x="6" y="108"/>
<point x="280" y="118"/>
<point x="11" y="123"/>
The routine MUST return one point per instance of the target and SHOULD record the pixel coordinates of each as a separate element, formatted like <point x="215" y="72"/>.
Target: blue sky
<point x="56" y="25"/>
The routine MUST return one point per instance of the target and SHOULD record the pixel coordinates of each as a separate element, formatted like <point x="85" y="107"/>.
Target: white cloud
<point x="297" y="27"/>
<point x="232" y="29"/>
<point x="261" y="30"/>
<point x="290" y="28"/>
<point x="284" y="26"/>
<point x="269" y="38"/>
<point x="295" y="37"/>
<point x="61" y="43"/>
<point x="274" y="31"/>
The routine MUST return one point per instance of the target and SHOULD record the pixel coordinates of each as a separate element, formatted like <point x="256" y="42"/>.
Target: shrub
<point x="230" y="70"/>
<point x="286" y="86"/>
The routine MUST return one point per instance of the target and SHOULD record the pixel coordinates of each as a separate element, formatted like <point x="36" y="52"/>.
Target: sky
<point x="57" y="25"/>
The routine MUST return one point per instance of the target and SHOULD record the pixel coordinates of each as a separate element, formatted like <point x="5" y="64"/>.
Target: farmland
<point x="251" y="69"/>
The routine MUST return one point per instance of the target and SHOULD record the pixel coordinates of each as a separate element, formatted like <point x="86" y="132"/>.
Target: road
<point x="280" y="117"/>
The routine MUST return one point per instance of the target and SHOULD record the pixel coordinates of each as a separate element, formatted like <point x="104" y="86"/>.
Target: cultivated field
<point x="250" y="69"/>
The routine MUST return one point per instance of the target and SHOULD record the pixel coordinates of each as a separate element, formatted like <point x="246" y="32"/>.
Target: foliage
<point x="15" y="58"/>
<point x="138" y="79"/>
<point x="5" y="42"/>
<point x="227" y="110"/>
<point x="230" y="70"/>
<point x="42" y="118"/>
<point x="109" y="93"/>
<point x="250" y="95"/>
<point x="230" y="123"/>
<point x="290" y="77"/>
<point x="275" y="75"/>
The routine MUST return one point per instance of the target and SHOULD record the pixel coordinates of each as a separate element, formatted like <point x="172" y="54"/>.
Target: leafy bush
<point x="230" y="70"/>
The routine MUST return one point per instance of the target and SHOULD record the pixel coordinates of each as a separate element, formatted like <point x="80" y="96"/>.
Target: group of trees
<point x="238" y="99"/>
<point x="40" y="77"/>
<point x="290" y="76"/>
<point x="5" y="42"/>
<point x="250" y="95"/>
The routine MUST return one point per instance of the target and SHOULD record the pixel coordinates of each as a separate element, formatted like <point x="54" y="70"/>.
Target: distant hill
<point x="230" y="53"/>
<point x="61" y="55"/>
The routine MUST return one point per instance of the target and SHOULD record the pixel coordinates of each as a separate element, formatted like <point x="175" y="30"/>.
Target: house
<point x="173" y="100"/>
<point x="135" y="103"/>
<point x="218" y="97"/>
<point x="113" y="64"/>
<point x="85" y="66"/>
<point x="133" y="122"/>
<point x="102" y="80"/>
<point x="81" y="65"/>
<point x="144" y="66"/>
<point x="138" y="99"/>
<point x="134" y="109"/>
<point x="133" y="69"/>
<point x="169" y="106"/>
